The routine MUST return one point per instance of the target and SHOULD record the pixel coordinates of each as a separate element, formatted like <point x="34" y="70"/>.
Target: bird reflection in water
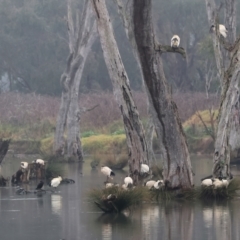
<point x="56" y="203"/>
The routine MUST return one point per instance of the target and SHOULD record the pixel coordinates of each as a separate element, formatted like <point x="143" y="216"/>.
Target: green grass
<point x="220" y="193"/>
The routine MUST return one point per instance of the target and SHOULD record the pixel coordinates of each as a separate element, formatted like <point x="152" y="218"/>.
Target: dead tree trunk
<point x="228" y="131"/>
<point x="81" y="38"/>
<point x="177" y="166"/>
<point x="133" y="127"/>
<point x="125" y="15"/>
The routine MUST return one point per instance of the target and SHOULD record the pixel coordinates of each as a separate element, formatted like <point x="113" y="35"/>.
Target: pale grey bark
<point x="177" y="170"/>
<point x="133" y="127"/>
<point x="213" y="20"/>
<point x="125" y="12"/>
<point x="227" y="138"/>
<point x="81" y="38"/>
<point x="230" y="19"/>
<point x="228" y="131"/>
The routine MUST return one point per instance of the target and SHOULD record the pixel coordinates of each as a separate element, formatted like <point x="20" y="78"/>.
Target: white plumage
<point x="144" y="168"/>
<point x="56" y="181"/>
<point x="222" y="30"/>
<point x="40" y="161"/>
<point x="150" y="184"/>
<point x="225" y="182"/>
<point x="109" y="185"/>
<point x="24" y="165"/>
<point x="217" y="183"/>
<point x="107" y="172"/>
<point x="124" y="186"/>
<point x="128" y="181"/>
<point x="158" y="184"/>
<point x="175" y="41"/>
<point x="155" y="184"/>
<point x="207" y="182"/>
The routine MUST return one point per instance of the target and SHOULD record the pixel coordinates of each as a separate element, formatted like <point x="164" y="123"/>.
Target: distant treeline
<point x="34" y="47"/>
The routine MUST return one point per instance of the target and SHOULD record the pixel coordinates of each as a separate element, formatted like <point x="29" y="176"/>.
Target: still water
<point x="67" y="214"/>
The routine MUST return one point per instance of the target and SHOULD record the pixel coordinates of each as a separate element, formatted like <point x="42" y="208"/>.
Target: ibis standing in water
<point x="55" y="182"/>
<point x="107" y="172"/>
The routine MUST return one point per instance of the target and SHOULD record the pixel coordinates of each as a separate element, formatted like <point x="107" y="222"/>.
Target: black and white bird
<point x="155" y="184"/>
<point x="40" y="185"/>
<point x="39" y="161"/>
<point x="55" y="182"/>
<point x="24" y="165"/>
<point x="175" y="41"/>
<point x="128" y="181"/>
<point x="107" y="172"/>
<point x="207" y="182"/>
<point x="222" y="30"/>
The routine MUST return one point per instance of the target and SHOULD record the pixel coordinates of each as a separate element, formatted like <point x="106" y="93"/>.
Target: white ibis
<point x="128" y="181"/>
<point x="150" y="184"/>
<point x="207" y="182"/>
<point x="107" y="172"/>
<point x="39" y="161"/>
<point x="222" y="30"/>
<point x="56" y="181"/>
<point x="24" y="165"/>
<point x="144" y="168"/>
<point x="159" y="184"/>
<point x="175" y="41"/>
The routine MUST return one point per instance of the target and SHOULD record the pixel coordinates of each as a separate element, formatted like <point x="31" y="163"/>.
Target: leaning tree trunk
<point x="133" y="127"/>
<point x="228" y="131"/>
<point x="125" y="15"/>
<point x="177" y="170"/>
<point x="81" y="38"/>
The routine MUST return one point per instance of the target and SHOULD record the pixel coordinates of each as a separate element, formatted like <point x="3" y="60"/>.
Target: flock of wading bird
<point x="53" y="183"/>
<point x="128" y="181"/>
<point x="207" y="182"/>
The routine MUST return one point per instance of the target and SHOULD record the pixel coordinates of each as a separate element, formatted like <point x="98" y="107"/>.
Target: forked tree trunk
<point x="133" y="127"/>
<point x="228" y="131"/>
<point x="177" y="170"/>
<point x="81" y="38"/>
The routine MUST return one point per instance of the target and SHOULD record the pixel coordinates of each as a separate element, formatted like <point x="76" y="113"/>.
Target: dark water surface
<point x="67" y="214"/>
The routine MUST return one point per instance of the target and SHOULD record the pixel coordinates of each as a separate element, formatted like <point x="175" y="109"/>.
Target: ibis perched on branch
<point x="175" y="41"/>
<point x="222" y="30"/>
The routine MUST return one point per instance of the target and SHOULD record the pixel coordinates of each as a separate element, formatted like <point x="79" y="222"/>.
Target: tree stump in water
<point x="33" y="171"/>
<point x="4" y="144"/>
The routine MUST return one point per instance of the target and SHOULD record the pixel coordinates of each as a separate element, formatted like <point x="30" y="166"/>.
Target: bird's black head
<point x="212" y="28"/>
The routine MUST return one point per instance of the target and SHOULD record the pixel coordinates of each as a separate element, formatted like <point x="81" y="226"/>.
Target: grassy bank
<point x="29" y="121"/>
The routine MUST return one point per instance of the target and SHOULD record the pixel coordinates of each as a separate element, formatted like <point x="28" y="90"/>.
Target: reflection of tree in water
<point x="150" y="222"/>
<point x="179" y="220"/>
<point x="115" y="225"/>
<point x="217" y="218"/>
<point x="56" y="203"/>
